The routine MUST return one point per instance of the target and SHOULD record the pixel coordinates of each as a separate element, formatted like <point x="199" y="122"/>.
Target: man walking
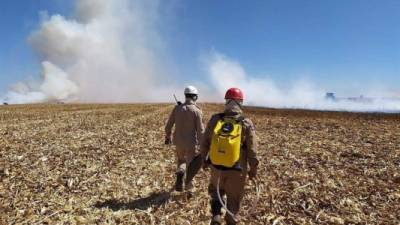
<point x="189" y="128"/>
<point x="228" y="145"/>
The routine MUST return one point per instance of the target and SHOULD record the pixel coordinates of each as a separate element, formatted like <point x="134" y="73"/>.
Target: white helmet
<point x="191" y="90"/>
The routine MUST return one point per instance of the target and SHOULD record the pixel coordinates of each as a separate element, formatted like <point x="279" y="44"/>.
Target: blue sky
<point x="337" y="44"/>
<point x="18" y="18"/>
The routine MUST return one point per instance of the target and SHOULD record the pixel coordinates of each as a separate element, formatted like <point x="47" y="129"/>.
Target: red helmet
<point x="234" y="93"/>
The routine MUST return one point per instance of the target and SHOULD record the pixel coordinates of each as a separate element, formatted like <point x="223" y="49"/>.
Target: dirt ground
<point x="107" y="164"/>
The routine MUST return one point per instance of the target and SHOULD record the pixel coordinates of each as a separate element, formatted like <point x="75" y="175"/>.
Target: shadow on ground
<point x="153" y="200"/>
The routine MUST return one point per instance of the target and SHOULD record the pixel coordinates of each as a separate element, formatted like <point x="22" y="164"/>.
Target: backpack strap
<point x="240" y="119"/>
<point x="221" y="116"/>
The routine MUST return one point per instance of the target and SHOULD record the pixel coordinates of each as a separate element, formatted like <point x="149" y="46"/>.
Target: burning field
<point x="107" y="164"/>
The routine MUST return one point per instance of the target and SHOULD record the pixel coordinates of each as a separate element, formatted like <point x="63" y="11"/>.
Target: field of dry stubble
<point x="106" y="164"/>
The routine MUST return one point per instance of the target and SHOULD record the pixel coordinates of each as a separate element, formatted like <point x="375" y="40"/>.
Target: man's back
<point x="188" y="124"/>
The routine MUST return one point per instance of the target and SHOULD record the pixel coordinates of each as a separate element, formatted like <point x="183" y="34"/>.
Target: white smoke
<point x="225" y="73"/>
<point x="112" y="51"/>
<point x="55" y="86"/>
<point x="107" y="53"/>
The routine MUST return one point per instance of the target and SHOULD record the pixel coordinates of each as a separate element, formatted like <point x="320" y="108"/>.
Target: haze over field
<point x="113" y="51"/>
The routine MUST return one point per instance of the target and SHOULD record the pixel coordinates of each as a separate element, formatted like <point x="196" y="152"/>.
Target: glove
<point x="252" y="174"/>
<point x="167" y="141"/>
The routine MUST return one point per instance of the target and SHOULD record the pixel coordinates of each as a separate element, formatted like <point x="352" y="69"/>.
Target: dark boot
<point x="230" y="220"/>
<point x="216" y="212"/>
<point x="189" y="190"/>
<point x="216" y="220"/>
<point x="189" y="186"/>
<point x="230" y="223"/>
<point x="179" y="181"/>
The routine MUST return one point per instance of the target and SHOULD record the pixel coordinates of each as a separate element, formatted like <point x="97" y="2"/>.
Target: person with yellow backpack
<point x="228" y="145"/>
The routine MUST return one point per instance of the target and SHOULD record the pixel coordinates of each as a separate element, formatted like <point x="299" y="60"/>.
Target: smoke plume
<point x="112" y="51"/>
<point x="225" y="73"/>
<point x="108" y="52"/>
<point x="55" y="86"/>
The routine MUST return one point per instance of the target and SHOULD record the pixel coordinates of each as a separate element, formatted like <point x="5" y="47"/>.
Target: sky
<point x="341" y="45"/>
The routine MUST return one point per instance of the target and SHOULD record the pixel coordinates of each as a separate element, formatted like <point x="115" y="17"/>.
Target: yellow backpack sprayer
<point x="225" y="151"/>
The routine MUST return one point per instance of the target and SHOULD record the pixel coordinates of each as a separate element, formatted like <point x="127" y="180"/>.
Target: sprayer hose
<point x="221" y="201"/>
<point x="224" y="204"/>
